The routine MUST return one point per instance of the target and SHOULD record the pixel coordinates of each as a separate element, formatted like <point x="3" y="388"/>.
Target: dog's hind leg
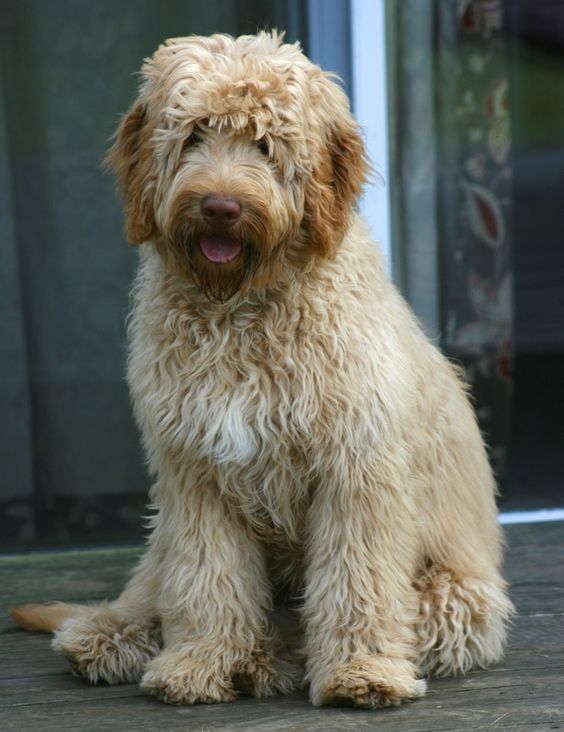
<point x="462" y="621"/>
<point x="108" y="645"/>
<point x="463" y="605"/>
<point x="101" y="642"/>
<point x="114" y="642"/>
<point x="109" y="641"/>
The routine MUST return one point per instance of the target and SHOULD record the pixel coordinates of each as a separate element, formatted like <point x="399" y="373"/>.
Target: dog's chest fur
<point x="224" y="389"/>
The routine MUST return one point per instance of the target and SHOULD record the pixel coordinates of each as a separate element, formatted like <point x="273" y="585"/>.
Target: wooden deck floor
<point x="526" y="692"/>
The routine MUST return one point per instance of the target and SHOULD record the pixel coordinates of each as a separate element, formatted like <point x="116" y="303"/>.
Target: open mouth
<point x="220" y="249"/>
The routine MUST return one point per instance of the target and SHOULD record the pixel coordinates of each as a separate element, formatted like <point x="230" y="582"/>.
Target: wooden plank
<point x="75" y="576"/>
<point x="50" y="688"/>
<point x="28" y="654"/>
<point x="525" y="692"/>
<point x="434" y="713"/>
<point x="544" y="631"/>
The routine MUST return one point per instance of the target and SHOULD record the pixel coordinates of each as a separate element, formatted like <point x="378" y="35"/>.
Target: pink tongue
<point x="219" y="248"/>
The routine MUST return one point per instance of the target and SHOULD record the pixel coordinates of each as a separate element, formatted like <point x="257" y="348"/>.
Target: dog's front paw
<point x="179" y="677"/>
<point x="368" y="682"/>
<point x="184" y="675"/>
<point x="105" y="647"/>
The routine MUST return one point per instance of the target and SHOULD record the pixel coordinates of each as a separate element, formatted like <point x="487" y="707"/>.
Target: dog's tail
<point x="46" y="618"/>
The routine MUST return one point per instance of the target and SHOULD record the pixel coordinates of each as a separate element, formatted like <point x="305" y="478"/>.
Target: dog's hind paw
<point x="106" y="648"/>
<point x="462" y="622"/>
<point x="368" y="682"/>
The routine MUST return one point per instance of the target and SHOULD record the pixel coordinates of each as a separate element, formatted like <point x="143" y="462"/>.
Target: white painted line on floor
<point x="532" y="517"/>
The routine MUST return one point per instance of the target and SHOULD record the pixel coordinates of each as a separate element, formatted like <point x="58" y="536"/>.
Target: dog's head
<point x="239" y="157"/>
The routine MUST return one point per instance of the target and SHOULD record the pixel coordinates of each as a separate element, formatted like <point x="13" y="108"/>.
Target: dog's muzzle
<point x="220" y="213"/>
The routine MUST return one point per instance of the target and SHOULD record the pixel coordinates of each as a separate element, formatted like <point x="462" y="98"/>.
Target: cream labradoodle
<point x="300" y="428"/>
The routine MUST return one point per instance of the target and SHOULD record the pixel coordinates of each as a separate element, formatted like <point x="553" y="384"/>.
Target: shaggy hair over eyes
<point x="301" y="430"/>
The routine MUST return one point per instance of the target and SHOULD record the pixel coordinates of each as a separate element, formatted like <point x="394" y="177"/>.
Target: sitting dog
<point x="300" y="429"/>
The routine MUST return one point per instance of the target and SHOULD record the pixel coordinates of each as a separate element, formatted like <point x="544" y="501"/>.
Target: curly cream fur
<point x="300" y="428"/>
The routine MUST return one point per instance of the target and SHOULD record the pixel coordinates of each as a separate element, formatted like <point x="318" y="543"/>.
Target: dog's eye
<point x="263" y="147"/>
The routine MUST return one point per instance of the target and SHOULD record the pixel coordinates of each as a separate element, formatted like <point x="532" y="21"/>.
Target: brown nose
<point x="220" y="212"/>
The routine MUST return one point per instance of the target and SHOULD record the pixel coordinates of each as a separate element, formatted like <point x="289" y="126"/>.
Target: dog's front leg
<point x="359" y="602"/>
<point x="213" y="605"/>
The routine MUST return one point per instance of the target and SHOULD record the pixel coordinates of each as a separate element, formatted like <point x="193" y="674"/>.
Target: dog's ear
<point x="131" y="160"/>
<point x="334" y="186"/>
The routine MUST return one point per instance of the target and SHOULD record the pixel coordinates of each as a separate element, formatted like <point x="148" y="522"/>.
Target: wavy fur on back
<point x="300" y="428"/>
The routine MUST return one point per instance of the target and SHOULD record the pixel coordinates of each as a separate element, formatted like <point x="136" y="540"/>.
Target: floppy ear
<point x="334" y="186"/>
<point x="131" y="160"/>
